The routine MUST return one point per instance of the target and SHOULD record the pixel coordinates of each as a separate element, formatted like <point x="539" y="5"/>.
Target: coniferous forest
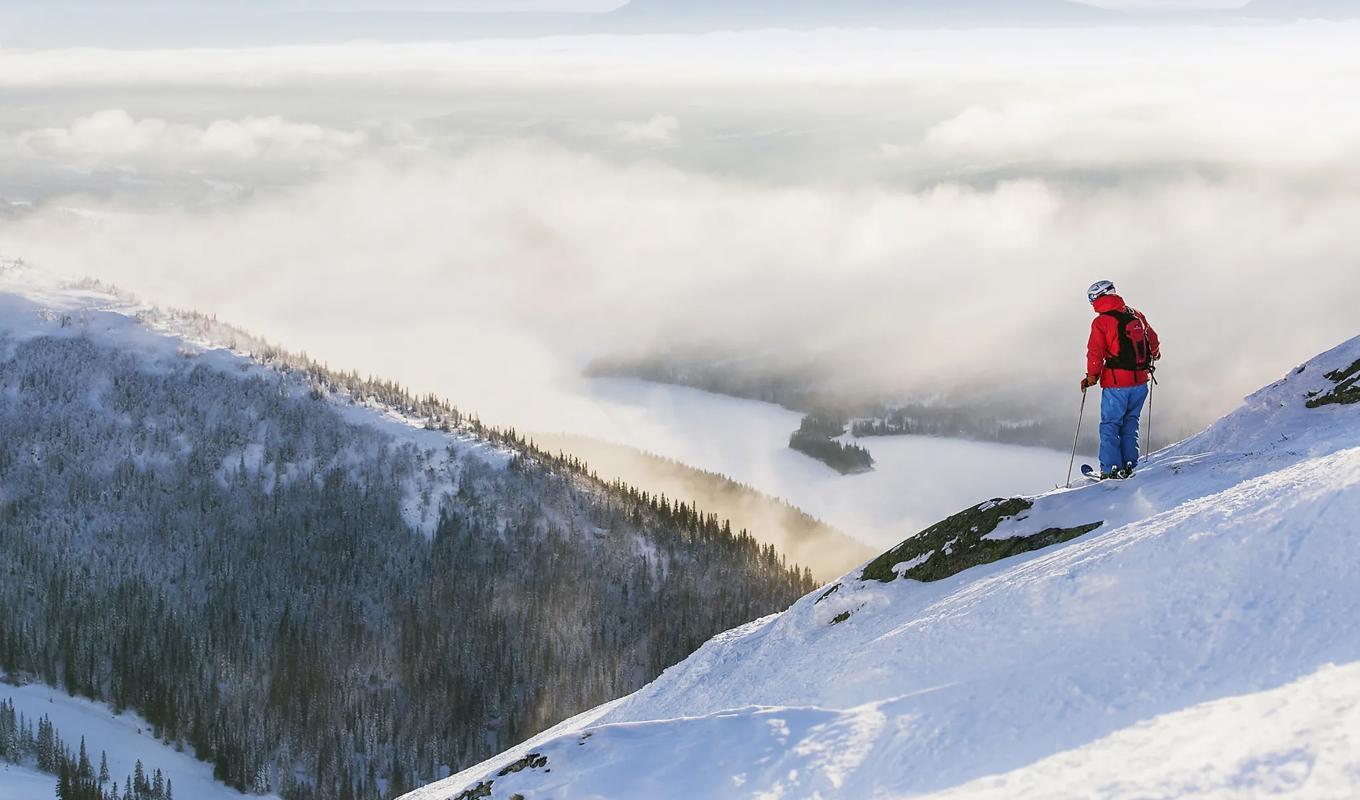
<point x="231" y="552"/>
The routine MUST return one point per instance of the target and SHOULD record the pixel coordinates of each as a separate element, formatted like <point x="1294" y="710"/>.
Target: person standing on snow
<point x="1119" y="357"/>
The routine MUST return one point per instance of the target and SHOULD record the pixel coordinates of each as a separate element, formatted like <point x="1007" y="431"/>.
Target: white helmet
<point x="1099" y="289"/>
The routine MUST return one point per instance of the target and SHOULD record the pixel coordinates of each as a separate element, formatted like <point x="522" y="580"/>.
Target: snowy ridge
<point x="1215" y="593"/>
<point x="33" y="305"/>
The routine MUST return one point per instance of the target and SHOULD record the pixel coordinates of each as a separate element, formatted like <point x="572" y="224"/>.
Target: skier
<point x="1119" y="357"/>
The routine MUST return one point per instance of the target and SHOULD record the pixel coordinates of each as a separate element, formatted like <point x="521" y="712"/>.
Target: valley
<point x="916" y="479"/>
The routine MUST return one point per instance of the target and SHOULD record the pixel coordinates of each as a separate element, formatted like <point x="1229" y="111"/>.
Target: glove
<point x="1089" y="381"/>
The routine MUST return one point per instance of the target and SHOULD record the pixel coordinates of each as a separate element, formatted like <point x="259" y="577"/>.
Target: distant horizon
<point x="517" y="6"/>
<point x="27" y="24"/>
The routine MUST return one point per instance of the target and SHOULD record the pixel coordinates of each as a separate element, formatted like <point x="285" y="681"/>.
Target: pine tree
<point x="104" y="768"/>
<point x="64" y="790"/>
<point x="46" y="746"/>
<point x="84" y="771"/>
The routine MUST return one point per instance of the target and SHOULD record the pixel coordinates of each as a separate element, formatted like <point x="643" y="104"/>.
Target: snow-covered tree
<point x="230" y="551"/>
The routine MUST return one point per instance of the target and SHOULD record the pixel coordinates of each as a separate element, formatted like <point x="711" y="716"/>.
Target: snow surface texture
<point x="124" y="738"/>
<point x="21" y="783"/>
<point x="1205" y="610"/>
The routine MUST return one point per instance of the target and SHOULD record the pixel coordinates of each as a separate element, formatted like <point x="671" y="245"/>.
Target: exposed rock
<point x="958" y="543"/>
<point x="477" y="792"/>
<point x="531" y="761"/>
<point x="1347" y="391"/>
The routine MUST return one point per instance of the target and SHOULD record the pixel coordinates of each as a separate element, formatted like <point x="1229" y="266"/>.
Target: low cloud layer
<point x="1128" y="132"/>
<point x="112" y="137"/>
<point x="481" y="220"/>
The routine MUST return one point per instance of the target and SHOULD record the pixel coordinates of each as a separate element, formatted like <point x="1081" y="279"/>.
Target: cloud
<point x="934" y="214"/>
<point x="659" y="131"/>
<point x="113" y="137"/>
<point x="494" y="274"/>
<point x="1154" y="128"/>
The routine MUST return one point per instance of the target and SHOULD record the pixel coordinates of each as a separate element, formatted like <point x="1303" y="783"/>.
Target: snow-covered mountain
<point x="290" y="571"/>
<point x="1302" y="9"/>
<point x="1191" y="632"/>
<point x="887" y="13"/>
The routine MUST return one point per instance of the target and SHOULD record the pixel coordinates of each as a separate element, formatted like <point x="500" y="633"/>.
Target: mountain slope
<point x="1215" y="585"/>
<point x="827" y="551"/>
<point x="786" y="12"/>
<point x="293" y="571"/>
<point x="1301" y="9"/>
<point x="713" y="14"/>
<point x="119" y="740"/>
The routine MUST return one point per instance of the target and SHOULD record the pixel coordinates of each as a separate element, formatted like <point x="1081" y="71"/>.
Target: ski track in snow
<point x="1181" y="649"/>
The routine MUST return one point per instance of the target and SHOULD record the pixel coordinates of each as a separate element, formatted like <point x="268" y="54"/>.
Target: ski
<point x="1091" y="473"/>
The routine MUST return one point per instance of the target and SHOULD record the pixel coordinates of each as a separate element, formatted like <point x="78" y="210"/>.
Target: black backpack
<point x="1135" y="350"/>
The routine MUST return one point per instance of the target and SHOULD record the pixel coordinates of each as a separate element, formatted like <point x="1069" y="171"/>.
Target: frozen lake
<point x="917" y="480"/>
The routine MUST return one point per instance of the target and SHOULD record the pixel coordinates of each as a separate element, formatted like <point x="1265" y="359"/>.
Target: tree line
<point x="231" y="556"/>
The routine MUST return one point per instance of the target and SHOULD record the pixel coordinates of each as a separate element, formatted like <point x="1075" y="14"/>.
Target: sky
<point x="921" y="210"/>
<point x="583" y="5"/>
<point x="607" y="5"/>
<point x="130" y="24"/>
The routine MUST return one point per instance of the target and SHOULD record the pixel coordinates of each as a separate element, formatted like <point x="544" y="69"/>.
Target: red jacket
<point x="1104" y="343"/>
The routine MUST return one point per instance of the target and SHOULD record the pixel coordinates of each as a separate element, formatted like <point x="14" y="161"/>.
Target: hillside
<point x="881" y="13"/>
<point x="804" y="539"/>
<point x="294" y="572"/>
<point x="1192" y="632"/>
<point x="116" y="741"/>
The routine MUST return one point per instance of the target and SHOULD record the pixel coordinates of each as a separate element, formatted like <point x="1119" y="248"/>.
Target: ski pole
<point x="1147" y="442"/>
<point x="1080" y="416"/>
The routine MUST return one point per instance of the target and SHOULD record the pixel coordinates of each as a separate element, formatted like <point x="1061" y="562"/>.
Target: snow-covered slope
<point x="125" y="738"/>
<point x="24" y="783"/>
<point x="1208" y="595"/>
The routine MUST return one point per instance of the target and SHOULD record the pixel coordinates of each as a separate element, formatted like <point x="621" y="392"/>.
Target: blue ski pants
<point x="1120" y="410"/>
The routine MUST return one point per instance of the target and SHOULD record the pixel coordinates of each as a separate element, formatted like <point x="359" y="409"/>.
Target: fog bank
<point x="922" y="210"/>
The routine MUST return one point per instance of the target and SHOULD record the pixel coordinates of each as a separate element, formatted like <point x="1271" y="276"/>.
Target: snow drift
<point x="1103" y="638"/>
